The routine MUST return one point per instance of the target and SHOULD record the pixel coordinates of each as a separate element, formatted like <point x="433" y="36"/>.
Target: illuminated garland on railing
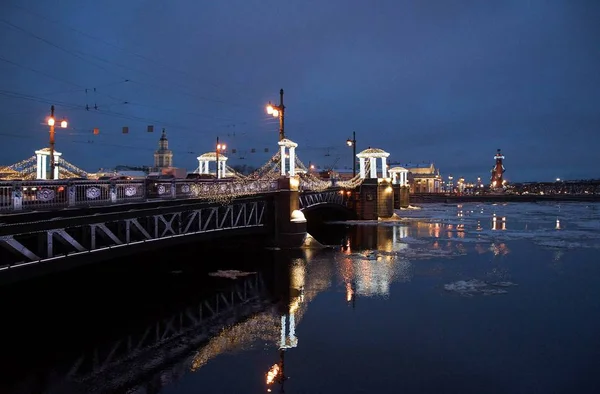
<point x="355" y="181"/>
<point x="309" y="181"/>
<point x="229" y="171"/>
<point x="262" y="180"/>
<point x="270" y="170"/>
<point x="71" y="168"/>
<point x="24" y="163"/>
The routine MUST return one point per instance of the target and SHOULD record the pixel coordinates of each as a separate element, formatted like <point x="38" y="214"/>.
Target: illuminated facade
<point x="163" y="157"/>
<point x="423" y="178"/>
<point x="498" y="171"/>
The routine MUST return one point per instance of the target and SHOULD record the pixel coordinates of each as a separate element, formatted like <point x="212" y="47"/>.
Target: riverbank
<point x="444" y="198"/>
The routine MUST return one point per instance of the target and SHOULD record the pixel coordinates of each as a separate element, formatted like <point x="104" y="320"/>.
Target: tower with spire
<point x="498" y="171"/>
<point x="163" y="156"/>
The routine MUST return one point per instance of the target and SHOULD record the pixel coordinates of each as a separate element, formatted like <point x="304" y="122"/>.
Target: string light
<point x="26" y="169"/>
<point x="262" y="180"/>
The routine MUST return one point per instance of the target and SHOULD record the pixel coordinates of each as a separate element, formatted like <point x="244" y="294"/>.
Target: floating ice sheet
<point x="472" y="287"/>
<point x="230" y="274"/>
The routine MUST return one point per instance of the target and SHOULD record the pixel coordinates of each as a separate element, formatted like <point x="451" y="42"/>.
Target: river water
<point x="467" y="298"/>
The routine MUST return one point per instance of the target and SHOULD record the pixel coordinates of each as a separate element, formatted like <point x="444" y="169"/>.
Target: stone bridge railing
<point x="42" y="195"/>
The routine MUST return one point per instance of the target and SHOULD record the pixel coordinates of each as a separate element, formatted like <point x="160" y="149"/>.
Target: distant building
<point x="497" y="180"/>
<point x="423" y="178"/>
<point x="163" y="157"/>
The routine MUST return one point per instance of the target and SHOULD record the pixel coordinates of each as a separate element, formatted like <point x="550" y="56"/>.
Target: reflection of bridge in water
<point x="266" y="307"/>
<point x="136" y="362"/>
<point x="258" y="307"/>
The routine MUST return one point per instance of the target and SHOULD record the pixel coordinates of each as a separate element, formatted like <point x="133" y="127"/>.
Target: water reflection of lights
<point x="398" y="233"/>
<point x="272" y="374"/>
<point x="434" y="230"/>
<point x="349" y="292"/>
<point x="276" y="374"/>
<point x="499" y="249"/>
<point x="297" y="282"/>
<point x="498" y="223"/>
<point x="460" y="228"/>
<point x="557" y="224"/>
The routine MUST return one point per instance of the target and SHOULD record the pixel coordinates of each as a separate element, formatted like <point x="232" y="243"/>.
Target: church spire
<point x="163" y="157"/>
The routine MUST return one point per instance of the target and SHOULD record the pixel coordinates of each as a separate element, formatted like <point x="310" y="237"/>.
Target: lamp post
<point x="352" y="143"/>
<point x="51" y="122"/>
<point x="278" y="111"/>
<point x="219" y="148"/>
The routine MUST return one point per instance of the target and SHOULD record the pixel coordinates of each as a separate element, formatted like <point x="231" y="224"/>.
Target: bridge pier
<point x="401" y="196"/>
<point x="289" y="223"/>
<point x="375" y="199"/>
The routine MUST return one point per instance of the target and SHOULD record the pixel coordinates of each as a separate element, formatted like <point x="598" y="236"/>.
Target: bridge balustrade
<point x="40" y="195"/>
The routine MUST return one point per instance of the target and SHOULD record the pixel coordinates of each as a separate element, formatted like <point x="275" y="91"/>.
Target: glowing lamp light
<point x="275" y="113"/>
<point x="50" y="121"/>
<point x="294" y="183"/>
<point x="63" y="124"/>
<point x="349" y="142"/>
<point x="269" y="109"/>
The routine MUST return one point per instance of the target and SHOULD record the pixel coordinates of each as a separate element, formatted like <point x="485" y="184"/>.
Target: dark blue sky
<point x="442" y="81"/>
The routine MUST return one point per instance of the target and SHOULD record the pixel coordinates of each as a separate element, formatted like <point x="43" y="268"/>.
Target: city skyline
<point x="438" y="83"/>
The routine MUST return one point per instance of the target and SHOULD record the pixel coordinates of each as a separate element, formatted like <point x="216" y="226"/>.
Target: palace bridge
<point x="58" y="224"/>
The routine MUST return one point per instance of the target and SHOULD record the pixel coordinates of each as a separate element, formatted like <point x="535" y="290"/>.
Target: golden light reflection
<point x="460" y="228"/>
<point x="434" y="230"/>
<point x="263" y="327"/>
<point x="272" y="374"/>
<point x="499" y="249"/>
<point x="498" y="223"/>
<point x="349" y="292"/>
<point x="298" y="275"/>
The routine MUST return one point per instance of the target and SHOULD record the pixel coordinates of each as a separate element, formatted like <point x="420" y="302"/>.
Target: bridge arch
<point x="324" y="206"/>
<point x="322" y="212"/>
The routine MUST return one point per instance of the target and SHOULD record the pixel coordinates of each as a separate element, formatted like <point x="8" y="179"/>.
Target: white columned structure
<point x="373" y="165"/>
<point x="399" y="176"/>
<point x="372" y="154"/>
<point x="291" y="168"/>
<point x="38" y="166"/>
<point x="56" y="166"/>
<point x="205" y="159"/>
<point x="292" y="160"/>
<point x="282" y="161"/>
<point x="42" y="159"/>
<point x="361" y="164"/>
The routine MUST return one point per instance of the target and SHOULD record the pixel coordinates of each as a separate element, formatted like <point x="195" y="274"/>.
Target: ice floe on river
<point x="230" y="274"/>
<point x="470" y="288"/>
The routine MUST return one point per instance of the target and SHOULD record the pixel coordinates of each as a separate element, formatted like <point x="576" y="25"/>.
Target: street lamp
<point x="352" y="143"/>
<point x="278" y="111"/>
<point x="51" y="122"/>
<point x="219" y="148"/>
